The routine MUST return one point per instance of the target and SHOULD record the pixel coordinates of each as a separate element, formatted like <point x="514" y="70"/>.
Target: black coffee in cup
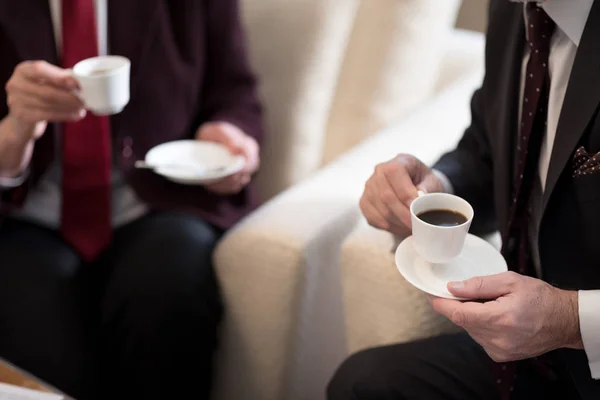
<point x="442" y="217"/>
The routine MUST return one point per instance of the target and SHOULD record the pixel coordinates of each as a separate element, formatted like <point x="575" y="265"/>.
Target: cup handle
<point x="421" y="192"/>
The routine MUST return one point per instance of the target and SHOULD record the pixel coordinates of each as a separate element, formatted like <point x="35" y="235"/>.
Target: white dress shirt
<point x="570" y="17"/>
<point x="101" y="24"/>
<point x="43" y="203"/>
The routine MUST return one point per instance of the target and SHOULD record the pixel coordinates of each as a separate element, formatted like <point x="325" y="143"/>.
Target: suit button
<point x="127" y="151"/>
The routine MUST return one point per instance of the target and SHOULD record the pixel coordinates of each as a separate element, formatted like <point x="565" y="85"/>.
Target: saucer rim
<point x="408" y="241"/>
<point x="236" y="165"/>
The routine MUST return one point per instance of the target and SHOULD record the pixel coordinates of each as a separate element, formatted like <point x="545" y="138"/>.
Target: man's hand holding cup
<point x="39" y="92"/>
<point x="392" y="188"/>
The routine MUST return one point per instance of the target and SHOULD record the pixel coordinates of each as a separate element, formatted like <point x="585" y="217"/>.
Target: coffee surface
<point x="442" y="217"/>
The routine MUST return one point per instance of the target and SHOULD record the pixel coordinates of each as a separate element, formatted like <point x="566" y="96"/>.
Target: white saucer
<point x="478" y="258"/>
<point x="202" y="157"/>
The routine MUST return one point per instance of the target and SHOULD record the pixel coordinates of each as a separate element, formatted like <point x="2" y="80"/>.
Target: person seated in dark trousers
<point x="530" y="166"/>
<point x="107" y="289"/>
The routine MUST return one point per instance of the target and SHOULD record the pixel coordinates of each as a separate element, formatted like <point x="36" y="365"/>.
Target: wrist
<point x="570" y="319"/>
<point x="16" y="147"/>
<point x="18" y="131"/>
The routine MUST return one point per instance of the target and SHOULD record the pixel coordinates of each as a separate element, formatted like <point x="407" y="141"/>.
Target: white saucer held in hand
<point x="193" y="162"/>
<point x="478" y="258"/>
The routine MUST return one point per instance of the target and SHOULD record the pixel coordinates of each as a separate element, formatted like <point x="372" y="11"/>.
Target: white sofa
<point x="333" y="72"/>
<point x="285" y="330"/>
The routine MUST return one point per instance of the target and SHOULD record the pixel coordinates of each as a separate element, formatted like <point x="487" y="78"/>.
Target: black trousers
<point x="449" y="367"/>
<point x="141" y="322"/>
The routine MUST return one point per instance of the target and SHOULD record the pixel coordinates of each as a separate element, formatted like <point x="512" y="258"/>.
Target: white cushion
<point x="391" y="66"/>
<point x="297" y="48"/>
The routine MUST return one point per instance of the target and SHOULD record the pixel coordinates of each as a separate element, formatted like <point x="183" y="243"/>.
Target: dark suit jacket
<point x="188" y="66"/>
<point x="481" y="168"/>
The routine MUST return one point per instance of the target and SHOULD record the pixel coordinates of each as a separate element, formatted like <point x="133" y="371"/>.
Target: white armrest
<point x="279" y="269"/>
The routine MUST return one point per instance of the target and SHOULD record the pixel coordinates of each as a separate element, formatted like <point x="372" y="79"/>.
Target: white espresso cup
<point x="439" y="244"/>
<point x="104" y="83"/>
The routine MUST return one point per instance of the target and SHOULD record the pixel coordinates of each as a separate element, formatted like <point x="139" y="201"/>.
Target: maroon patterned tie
<point x="86" y="147"/>
<point x="532" y="128"/>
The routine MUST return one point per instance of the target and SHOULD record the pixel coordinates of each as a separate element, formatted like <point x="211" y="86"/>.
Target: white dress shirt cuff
<point x="589" y="324"/>
<point x="11" y="183"/>
<point x="448" y="188"/>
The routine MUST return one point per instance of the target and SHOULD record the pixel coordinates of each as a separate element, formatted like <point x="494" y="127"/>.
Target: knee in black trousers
<point x="142" y="320"/>
<point x="161" y="308"/>
<point x="449" y="367"/>
<point x="42" y="318"/>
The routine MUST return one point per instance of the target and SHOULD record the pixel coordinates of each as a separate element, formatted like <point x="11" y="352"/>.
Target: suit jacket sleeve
<point x="230" y="89"/>
<point x="470" y="169"/>
<point x="9" y="188"/>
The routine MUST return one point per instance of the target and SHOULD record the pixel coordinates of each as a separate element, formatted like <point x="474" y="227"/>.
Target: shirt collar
<point x="570" y="16"/>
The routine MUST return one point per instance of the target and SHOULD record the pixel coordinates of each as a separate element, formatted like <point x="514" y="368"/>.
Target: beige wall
<point x="473" y="15"/>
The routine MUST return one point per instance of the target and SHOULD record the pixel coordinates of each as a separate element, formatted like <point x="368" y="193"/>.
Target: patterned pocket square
<point x="585" y="163"/>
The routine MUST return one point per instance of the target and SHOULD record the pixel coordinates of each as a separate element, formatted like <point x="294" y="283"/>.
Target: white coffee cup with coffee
<point x="440" y="224"/>
<point x="104" y="83"/>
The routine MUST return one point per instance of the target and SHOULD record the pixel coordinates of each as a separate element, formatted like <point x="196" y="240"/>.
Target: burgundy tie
<point x="86" y="144"/>
<point x="532" y="128"/>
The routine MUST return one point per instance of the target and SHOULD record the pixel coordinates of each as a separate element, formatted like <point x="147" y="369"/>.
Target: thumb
<point x="484" y="287"/>
<point x="236" y="147"/>
<point x="221" y="133"/>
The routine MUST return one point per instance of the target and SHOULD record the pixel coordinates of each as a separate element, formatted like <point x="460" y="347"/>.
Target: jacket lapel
<point x="130" y="32"/>
<point x="28" y="25"/>
<point x="581" y="101"/>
